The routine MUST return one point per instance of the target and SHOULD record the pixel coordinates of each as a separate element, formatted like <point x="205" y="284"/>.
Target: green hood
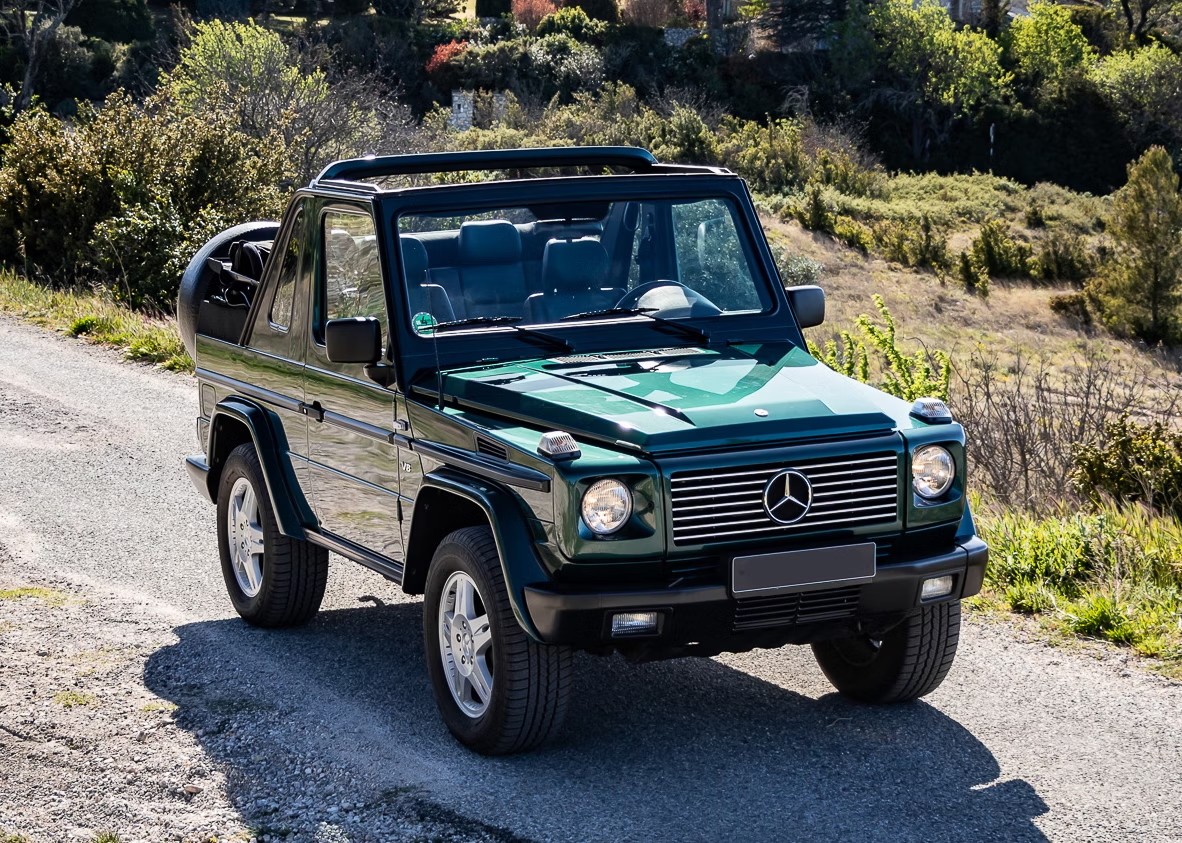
<point x="674" y="399"/>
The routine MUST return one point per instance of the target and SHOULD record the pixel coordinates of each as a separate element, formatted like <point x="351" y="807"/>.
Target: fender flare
<point x="515" y="545"/>
<point x="291" y="509"/>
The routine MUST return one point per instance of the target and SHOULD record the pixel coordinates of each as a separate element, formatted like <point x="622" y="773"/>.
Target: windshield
<point x="583" y="260"/>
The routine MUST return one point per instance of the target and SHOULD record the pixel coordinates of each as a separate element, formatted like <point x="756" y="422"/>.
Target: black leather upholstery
<point x="491" y="275"/>
<point x="574" y="280"/>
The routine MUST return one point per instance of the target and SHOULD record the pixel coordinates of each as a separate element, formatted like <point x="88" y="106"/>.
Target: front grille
<point x="789" y="609"/>
<point x="723" y="504"/>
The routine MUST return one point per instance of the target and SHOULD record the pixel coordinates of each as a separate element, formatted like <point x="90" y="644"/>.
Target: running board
<point x="388" y="568"/>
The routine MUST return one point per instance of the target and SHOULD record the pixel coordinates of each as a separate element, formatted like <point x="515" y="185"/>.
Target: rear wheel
<point x="497" y="690"/>
<point x="908" y="662"/>
<point x="272" y="579"/>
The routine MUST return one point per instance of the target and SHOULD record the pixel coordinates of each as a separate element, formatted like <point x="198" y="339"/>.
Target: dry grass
<point x="1014" y="319"/>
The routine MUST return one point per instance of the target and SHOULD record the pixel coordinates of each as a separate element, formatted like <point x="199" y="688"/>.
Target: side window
<point x="710" y="255"/>
<point x="353" y="284"/>
<point x="284" y="301"/>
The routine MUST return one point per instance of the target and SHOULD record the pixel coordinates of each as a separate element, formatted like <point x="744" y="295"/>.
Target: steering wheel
<point x="669" y="299"/>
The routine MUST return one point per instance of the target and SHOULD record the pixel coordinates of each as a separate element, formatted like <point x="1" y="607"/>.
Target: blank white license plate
<point x="802" y="570"/>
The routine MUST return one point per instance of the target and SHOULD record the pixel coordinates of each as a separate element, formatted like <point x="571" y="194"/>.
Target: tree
<point x="33" y="24"/>
<point x="1141" y="288"/>
<point x="1047" y="45"/>
<point x="930" y="72"/>
<point x="993" y="16"/>
<point x="1142" y="16"/>
<point x="246" y="72"/>
<point x="794" y="21"/>
<point x="1144" y="87"/>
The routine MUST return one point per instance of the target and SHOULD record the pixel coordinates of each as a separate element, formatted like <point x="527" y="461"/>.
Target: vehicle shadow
<point x="691" y="749"/>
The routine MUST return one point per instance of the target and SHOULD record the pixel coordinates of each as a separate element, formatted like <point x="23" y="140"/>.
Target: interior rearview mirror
<point x="354" y="340"/>
<point x="808" y="303"/>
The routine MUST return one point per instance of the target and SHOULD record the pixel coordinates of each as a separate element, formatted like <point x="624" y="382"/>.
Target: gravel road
<point x="133" y="700"/>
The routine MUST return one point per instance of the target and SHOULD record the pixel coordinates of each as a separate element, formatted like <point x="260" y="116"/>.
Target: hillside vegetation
<point x="992" y="206"/>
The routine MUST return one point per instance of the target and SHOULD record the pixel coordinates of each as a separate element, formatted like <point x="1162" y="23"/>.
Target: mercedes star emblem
<point x="788" y="496"/>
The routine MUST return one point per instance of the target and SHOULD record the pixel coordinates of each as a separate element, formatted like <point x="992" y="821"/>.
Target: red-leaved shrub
<point x="529" y="13"/>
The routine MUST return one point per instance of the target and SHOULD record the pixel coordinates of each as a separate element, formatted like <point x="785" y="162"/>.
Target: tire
<point x="195" y="280"/>
<point x="284" y="583"/>
<point x="530" y="682"/>
<point x="909" y="662"/>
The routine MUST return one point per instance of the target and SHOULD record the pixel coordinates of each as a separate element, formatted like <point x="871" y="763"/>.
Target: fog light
<point x="625" y="624"/>
<point x="937" y="587"/>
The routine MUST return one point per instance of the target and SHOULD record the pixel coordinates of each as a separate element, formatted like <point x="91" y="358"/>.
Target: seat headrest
<point x="489" y="241"/>
<point x="574" y="264"/>
<point x="414" y="259"/>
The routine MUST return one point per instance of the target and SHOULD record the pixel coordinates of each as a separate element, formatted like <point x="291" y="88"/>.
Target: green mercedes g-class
<point x="564" y="395"/>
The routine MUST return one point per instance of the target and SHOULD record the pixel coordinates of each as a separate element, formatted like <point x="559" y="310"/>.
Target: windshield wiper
<point x="529" y="334"/>
<point x="646" y="312"/>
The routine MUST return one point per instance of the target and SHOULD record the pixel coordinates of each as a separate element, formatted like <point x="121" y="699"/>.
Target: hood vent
<point x="491" y="449"/>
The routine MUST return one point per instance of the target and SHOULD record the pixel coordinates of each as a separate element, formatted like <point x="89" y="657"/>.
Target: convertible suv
<point x="564" y="395"/>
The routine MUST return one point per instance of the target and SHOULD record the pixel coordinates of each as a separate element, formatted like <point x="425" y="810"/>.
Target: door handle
<point x="313" y="410"/>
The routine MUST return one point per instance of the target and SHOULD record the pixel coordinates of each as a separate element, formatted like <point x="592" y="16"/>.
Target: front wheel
<point x="908" y="662"/>
<point x="498" y="690"/>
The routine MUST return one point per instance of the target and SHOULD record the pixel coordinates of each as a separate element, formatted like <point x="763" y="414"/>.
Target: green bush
<point x="1132" y="462"/>
<point x="796" y="269"/>
<point x="874" y="353"/>
<point x="854" y="234"/>
<point x="123" y="197"/>
<point x="574" y="22"/>
<point x="997" y="252"/>
<point x="912" y="242"/>
<point x="599" y="10"/>
<point x="1073" y="306"/>
<point x="1063" y="257"/>
<point x="973" y="276"/>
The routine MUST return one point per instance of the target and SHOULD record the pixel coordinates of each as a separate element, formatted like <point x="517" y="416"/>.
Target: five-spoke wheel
<point x="272" y="579"/>
<point x="465" y="644"/>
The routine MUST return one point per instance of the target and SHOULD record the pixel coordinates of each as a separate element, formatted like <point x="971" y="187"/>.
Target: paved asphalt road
<point x="1022" y="742"/>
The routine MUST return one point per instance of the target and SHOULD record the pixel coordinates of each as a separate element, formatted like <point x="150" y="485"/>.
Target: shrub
<point x="440" y="67"/>
<point x="575" y="22"/>
<point x="599" y="10"/>
<point x="1063" y="257"/>
<point x="1028" y="418"/>
<point x="798" y="269"/>
<point x="650" y="13"/>
<point x="996" y="251"/>
<point x="1132" y="462"/>
<point x="912" y="242"/>
<point x="529" y="13"/>
<point x="907" y="376"/>
<point x="854" y="234"/>
<point x="1074" y="307"/>
<point x="126" y="195"/>
<point x="973" y="276"/>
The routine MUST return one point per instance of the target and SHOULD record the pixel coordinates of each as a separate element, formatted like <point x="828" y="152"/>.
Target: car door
<point x="350" y="417"/>
<point x="277" y="341"/>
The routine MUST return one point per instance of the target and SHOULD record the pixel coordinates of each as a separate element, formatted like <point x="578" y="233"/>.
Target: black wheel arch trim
<point x="515" y="543"/>
<point x="291" y="509"/>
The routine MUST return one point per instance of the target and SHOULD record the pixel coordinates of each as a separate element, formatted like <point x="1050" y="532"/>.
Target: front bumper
<point x="707" y="619"/>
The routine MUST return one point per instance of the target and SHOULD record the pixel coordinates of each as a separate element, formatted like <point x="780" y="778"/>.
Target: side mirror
<point x="354" y="340"/>
<point x="808" y="303"/>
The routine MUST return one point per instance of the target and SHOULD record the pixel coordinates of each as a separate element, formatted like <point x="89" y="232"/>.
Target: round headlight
<point x="606" y="506"/>
<point x="932" y="471"/>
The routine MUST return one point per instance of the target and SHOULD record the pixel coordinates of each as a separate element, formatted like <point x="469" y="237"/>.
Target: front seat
<point x="491" y="274"/>
<point x="574" y="279"/>
<point x="424" y="297"/>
